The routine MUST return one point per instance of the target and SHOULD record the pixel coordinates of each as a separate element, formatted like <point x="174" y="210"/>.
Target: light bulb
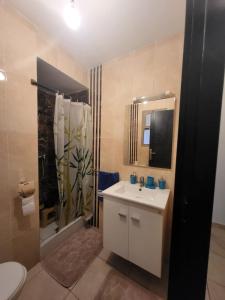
<point x="72" y="16"/>
<point x="3" y="76"/>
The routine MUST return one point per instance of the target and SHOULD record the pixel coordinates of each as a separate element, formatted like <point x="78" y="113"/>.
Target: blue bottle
<point x="162" y="183"/>
<point x="150" y="180"/>
<point x="133" y="178"/>
<point x="150" y="184"/>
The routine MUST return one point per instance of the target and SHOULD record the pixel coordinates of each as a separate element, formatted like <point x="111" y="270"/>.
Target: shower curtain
<point x="73" y="149"/>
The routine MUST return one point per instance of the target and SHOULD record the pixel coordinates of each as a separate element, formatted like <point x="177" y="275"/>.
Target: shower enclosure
<point x="64" y="151"/>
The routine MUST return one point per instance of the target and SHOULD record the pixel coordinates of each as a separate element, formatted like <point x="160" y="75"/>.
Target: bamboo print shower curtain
<point x="73" y="148"/>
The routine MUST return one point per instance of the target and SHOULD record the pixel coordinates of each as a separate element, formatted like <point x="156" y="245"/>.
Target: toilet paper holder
<point x="26" y="188"/>
<point x="26" y="191"/>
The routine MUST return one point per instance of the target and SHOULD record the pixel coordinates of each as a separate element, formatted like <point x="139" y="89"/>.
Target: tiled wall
<point x="48" y="185"/>
<point x="20" y="44"/>
<point x="145" y="72"/>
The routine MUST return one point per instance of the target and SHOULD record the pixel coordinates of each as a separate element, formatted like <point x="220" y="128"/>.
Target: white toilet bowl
<point x="12" y="278"/>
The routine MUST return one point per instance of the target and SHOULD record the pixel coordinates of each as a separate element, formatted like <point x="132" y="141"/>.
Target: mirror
<point x="149" y="132"/>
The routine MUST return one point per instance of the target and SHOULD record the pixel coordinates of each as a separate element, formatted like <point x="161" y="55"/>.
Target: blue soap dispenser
<point x="133" y="178"/>
<point x="162" y="183"/>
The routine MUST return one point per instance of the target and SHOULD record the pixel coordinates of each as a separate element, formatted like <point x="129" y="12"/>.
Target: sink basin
<point x="132" y="192"/>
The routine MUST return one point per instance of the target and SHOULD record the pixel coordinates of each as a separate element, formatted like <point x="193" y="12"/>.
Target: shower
<point x="64" y="150"/>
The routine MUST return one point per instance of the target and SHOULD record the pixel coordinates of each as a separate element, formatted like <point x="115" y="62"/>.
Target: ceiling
<point x="109" y="28"/>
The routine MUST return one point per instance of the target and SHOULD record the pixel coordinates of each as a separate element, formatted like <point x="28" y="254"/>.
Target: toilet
<point x="12" y="278"/>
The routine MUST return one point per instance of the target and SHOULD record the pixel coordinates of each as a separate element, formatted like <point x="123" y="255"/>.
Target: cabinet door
<point x="115" y="226"/>
<point x="145" y="239"/>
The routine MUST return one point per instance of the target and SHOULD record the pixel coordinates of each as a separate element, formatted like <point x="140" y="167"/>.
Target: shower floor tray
<point x="48" y="231"/>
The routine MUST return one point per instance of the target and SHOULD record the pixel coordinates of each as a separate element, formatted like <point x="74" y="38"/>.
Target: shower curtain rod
<point x="34" y="82"/>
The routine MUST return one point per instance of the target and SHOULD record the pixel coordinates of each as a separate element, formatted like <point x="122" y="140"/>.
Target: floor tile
<point x="142" y="277"/>
<point x="43" y="287"/>
<point x="207" y="293"/>
<point x="120" y="264"/>
<point x="119" y="286"/>
<point x="216" y="248"/>
<point x="71" y="297"/>
<point x="34" y="271"/>
<point x="48" y="231"/>
<point x="217" y="245"/>
<point x="216" y="269"/>
<point x="149" y="281"/>
<point x="216" y="291"/>
<point x="90" y="283"/>
<point x="104" y="254"/>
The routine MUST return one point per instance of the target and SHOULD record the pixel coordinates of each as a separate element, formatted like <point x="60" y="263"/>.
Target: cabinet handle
<point x="136" y="219"/>
<point x="122" y="215"/>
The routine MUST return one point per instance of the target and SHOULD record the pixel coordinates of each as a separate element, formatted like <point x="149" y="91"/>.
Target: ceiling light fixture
<point x="3" y="76"/>
<point x="72" y="16"/>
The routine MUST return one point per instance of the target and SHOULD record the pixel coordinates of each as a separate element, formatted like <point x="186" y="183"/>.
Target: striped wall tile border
<point x="95" y="100"/>
<point x="133" y="138"/>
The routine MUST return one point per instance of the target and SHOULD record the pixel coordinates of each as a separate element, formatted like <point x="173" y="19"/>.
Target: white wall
<point x="219" y="197"/>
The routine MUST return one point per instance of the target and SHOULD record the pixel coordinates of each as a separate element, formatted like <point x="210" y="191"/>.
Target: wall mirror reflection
<point x="149" y="132"/>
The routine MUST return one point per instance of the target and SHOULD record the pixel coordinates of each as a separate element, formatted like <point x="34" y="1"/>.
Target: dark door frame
<point x="201" y="98"/>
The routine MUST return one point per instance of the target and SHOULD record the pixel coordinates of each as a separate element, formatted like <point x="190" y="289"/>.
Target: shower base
<point x="51" y="242"/>
<point x="48" y="231"/>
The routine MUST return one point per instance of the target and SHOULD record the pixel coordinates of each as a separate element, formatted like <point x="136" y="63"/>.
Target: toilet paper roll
<point x="28" y="205"/>
<point x="28" y="209"/>
<point x="26" y="188"/>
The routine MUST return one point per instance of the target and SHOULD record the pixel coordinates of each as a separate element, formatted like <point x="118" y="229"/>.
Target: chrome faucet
<point x="142" y="181"/>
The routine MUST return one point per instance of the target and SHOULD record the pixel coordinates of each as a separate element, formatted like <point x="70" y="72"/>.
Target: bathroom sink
<point x="132" y="192"/>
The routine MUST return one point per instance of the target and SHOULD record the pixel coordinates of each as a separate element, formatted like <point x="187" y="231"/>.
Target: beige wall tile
<point x="20" y="45"/>
<point x="4" y="155"/>
<point x="148" y="71"/>
<point x="23" y="224"/>
<point x="5" y="226"/>
<point x="6" y="251"/>
<point x="26" y="248"/>
<point x="3" y="117"/>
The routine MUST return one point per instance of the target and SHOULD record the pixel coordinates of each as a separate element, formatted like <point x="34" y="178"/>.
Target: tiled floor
<point x="216" y="269"/>
<point x="40" y="286"/>
<point x="48" y="231"/>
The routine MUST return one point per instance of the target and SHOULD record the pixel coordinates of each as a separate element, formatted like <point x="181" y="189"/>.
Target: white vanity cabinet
<point x="146" y="238"/>
<point x="134" y="231"/>
<point x="115" y="226"/>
